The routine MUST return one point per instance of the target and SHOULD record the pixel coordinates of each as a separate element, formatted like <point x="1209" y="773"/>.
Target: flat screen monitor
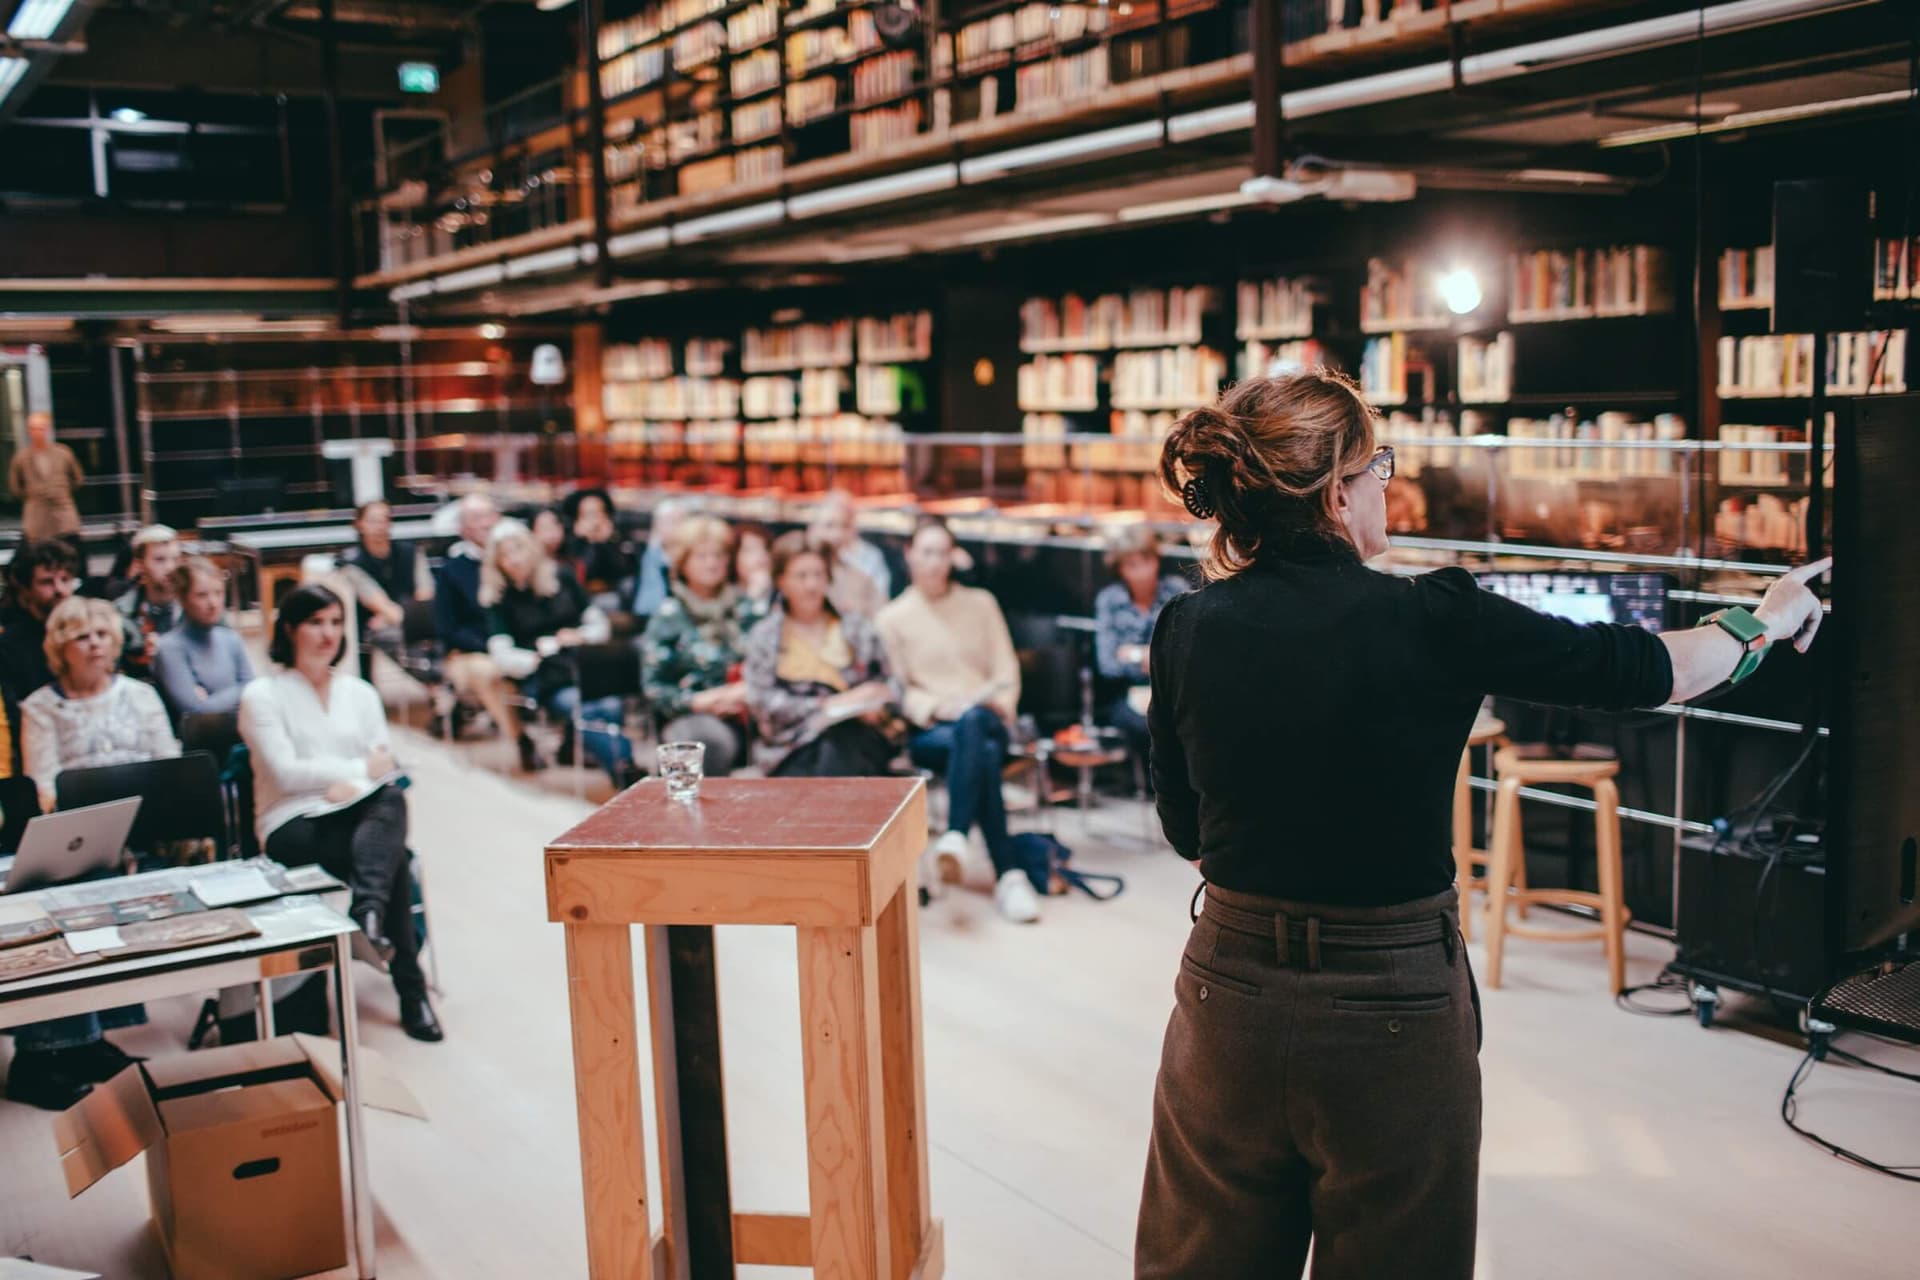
<point x="1639" y="599"/>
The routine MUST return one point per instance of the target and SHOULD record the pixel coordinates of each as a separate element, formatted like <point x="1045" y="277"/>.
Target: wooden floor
<point x="1616" y="1146"/>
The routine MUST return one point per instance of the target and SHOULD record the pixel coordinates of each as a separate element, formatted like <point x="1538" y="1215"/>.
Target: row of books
<point x="648" y="358"/>
<point x="712" y="441"/>
<point x="1765" y="522"/>
<point x="883" y="127"/>
<point x="1896" y="270"/>
<point x="1059" y="384"/>
<point x="886" y="76"/>
<point x="811" y="99"/>
<point x="1766" y="365"/>
<point x="876" y="390"/>
<point x="755" y="73"/>
<point x="1485" y="368"/>
<point x="1746" y="278"/>
<point x="810" y="50"/>
<point x="896" y="339"/>
<point x="756" y="120"/>
<point x="1039" y="84"/>
<point x="1268" y="360"/>
<point x="1583" y="458"/>
<point x="798" y="346"/>
<point x="1173" y="378"/>
<point x="985" y="42"/>
<point x="1145" y="317"/>
<point x="816" y="393"/>
<point x="1383" y="369"/>
<point x="754" y="25"/>
<point x="1399" y="295"/>
<point x="759" y="164"/>
<point x="846" y="438"/>
<point x="1273" y="309"/>
<point x="1761" y="468"/>
<point x="672" y="399"/>
<point x="707" y="357"/>
<point x="1615" y="280"/>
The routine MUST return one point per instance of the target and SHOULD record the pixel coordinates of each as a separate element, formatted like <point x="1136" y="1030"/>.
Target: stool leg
<point x="846" y="1120"/>
<point x="902" y="1060"/>
<point x="1506" y="844"/>
<point x="606" y="1074"/>
<point x="1606" y="841"/>
<point x="1463" y="844"/>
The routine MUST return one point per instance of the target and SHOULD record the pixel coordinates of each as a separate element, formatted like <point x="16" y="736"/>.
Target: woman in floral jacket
<point x="818" y="683"/>
<point x="694" y="645"/>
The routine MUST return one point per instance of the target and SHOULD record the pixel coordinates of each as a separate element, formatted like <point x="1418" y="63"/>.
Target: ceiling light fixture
<point x="1460" y="290"/>
<point x="493" y="332"/>
<point x="1756" y="119"/>
<point x="128" y="115"/>
<point x="11" y="69"/>
<point x="551" y="6"/>
<point x="1190" y="205"/>
<point x="38" y="19"/>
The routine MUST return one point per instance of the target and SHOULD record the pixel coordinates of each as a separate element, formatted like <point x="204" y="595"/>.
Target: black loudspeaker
<point x="1822" y="255"/>
<point x="1873" y="820"/>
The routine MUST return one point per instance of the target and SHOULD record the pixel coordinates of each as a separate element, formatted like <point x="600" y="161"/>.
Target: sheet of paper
<point x="238" y="884"/>
<point x="85" y="940"/>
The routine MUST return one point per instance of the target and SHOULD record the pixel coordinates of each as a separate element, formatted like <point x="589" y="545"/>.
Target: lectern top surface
<point x="747" y="816"/>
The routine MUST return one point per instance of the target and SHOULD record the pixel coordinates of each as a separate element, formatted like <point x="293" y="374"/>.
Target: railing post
<point x="596" y="140"/>
<point x="1269" y="129"/>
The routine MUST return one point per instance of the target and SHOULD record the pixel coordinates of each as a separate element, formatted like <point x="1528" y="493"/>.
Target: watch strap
<point x="1752" y="635"/>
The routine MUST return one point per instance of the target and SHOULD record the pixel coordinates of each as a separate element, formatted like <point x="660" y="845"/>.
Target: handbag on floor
<point x="1047" y="863"/>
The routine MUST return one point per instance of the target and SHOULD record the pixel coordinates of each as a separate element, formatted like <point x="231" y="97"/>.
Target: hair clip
<point x="1198" y="501"/>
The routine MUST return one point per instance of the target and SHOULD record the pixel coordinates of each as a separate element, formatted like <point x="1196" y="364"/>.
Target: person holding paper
<point x="818" y="683"/>
<point x="955" y="657"/>
<point x="88" y="716"/>
<point x="326" y="788"/>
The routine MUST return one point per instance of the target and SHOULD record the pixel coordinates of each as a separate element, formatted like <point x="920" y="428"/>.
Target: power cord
<point x="1789" y="1109"/>
<point x="1668" y="981"/>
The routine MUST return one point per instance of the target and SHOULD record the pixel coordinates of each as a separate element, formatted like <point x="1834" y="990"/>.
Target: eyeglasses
<point x="1381" y="465"/>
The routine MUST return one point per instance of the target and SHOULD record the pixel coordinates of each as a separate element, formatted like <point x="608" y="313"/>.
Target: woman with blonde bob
<point x="691" y="656"/>
<point x="1320" y="1082"/>
<point x="90" y="715"/>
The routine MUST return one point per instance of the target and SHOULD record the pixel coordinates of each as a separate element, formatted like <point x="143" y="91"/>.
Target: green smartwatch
<point x="1752" y="635"/>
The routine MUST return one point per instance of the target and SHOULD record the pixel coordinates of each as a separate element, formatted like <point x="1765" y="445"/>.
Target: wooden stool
<point x="1487" y="730"/>
<point x="837" y="859"/>
<point x="1509" y="854"/>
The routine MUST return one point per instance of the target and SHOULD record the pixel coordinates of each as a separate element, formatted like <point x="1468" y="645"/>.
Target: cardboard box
<point x="243" y="1152"/>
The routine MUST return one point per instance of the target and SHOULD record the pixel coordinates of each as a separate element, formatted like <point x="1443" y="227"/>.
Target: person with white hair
<point x="862" y="583"/>
<point x="655" y="580"/>
<point x="464" y="624"/>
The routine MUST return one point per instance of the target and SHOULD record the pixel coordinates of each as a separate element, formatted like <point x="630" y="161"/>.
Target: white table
<point x="298" y="934"/>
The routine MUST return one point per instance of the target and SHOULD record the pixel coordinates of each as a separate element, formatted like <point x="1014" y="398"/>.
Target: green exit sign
<point x="419" y="77"/>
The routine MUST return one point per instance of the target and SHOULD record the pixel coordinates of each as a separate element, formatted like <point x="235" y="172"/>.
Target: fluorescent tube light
<point x="534" y="264"/>
<point x="11" y="69"/>
<point x="1038" y="227"/>
<point x="1181" y="208"/>
<point x="1126" y="137"/>
<point x="895" y="186"/>
<point x="471" y="278"/>
<point x="408" y="292"/>
<point x="1754" y="119"/>
<point x="649" y="241"/>
<point x="38" y="19"/>
<point x="743" y="219"/>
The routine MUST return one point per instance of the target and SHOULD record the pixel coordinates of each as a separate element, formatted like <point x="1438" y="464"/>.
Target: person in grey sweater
<point x="201" y="665"/>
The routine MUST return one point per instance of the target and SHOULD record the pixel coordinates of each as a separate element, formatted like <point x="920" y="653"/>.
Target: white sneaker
<point x="1016" y="899"/>
<point x="943" y="863"/>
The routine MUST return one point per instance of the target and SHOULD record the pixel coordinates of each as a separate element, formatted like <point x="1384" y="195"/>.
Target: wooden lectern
<point x="836" y="859"/>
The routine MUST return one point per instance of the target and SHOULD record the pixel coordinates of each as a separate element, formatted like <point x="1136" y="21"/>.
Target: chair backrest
<point x="19" y="805"/>
<point x="418" y="626"/>
<point x="180" y="797"/>
<point x="607" y="671"/>
<point x="1049" y="670"/>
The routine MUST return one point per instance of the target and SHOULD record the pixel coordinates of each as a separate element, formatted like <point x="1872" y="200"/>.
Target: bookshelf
<point x="1548" y="285"/>
<point x="1746" y="279"/>
<point x="1399" y="297"/>
<point x="1896" y="269"/>
<point x="668" y="419"/>
<point x="1780" y="366"/>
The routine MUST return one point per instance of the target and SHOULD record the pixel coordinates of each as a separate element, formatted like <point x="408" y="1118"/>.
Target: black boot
<point x="50" y="1079"/>
<point x="417" y="1020"/>
<point x="372" y="945"/>
<point x="531" y="761"/>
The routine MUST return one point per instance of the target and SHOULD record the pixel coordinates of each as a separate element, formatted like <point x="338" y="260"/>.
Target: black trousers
<point x="1320" y="1085"/>
<point x="366" y="847"/>
<point x="850" y="749"/>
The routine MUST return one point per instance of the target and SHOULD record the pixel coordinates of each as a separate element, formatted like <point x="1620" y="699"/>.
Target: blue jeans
<point x="609" y="748"/>
<point x="77" y="1030"/>
<point x="971" y="752"/>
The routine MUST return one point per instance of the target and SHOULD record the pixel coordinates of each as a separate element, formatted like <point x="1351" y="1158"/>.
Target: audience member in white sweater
<point x="950" y="648"/>
<point x="87" y="716"/>
<point x="325" y="786"/>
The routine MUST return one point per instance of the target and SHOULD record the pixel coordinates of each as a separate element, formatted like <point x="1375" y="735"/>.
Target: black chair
<point x="19" y="805"/>
<point x="180" y="798"/>
<point x="214" y="732"/>
<point x="604" y="671"/>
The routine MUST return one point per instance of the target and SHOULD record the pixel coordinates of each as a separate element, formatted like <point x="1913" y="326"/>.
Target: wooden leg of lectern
<point x="846" y="1137"/>
<point x="666" y="1103"/>
<point x="902" y="1062"/>
<point x="606" y="1081"/>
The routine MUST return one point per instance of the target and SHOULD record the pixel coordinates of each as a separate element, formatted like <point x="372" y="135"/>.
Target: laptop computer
<point x="71" y="844"/>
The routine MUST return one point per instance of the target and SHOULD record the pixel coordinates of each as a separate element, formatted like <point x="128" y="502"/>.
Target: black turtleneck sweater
<point x="1308" y="716"/>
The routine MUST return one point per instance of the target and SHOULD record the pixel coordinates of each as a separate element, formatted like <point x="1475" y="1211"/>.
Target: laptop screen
<point x="1636" y="599"/>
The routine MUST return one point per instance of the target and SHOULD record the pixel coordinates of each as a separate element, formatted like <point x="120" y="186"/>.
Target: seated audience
<point x="325" y="791"/>
<point x="1124" y="613"/>
<point x="88" y="715"/>
<point x="550" y="530"/>
<point x="753" y="563"/>
<point x="202" y="665"/>
<point x="463" y="623"/>
<point x="538" y="613"/>
<point x="691" y="653"/>
<point x="40" y="576"/>
<point x="955" y="659"/>
<point x="602" y="559"/>
<point x="391" y="568"/>
<point x="861" y="582"/>
<point x="818" y="683"/>
<point x="149" y="608"/>
<point x="652" y="581"/>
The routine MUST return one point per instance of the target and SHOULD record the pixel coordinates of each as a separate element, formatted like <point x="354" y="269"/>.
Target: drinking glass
<point x="682" y="764"/>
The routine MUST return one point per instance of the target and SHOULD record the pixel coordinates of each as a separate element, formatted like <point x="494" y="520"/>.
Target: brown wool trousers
<point x="1320" y="1084"/>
